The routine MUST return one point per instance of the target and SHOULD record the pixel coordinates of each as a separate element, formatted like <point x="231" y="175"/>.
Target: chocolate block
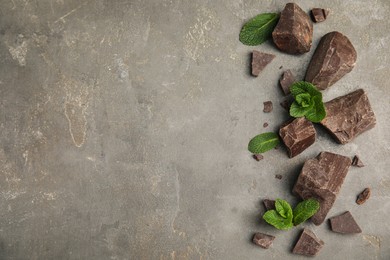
<point x="259" y="61"/>
<point x="294" y="32"/>
<point x="267" y="106"/>
<point x="286" y="80"/>
<point x="344" y="224"/>
<point x="348" y="116"/>
<point x="334" y="57"/>
<point x="319" y="14"/>
<point x="269" y="204"/>
<point x="321" y="178"/>
<point x="297" y="135"/>
<point x="308" y="244"/>
<point x="363" y="196"/>
<point x="357" y="162"/>
<point x="263" y="240"/>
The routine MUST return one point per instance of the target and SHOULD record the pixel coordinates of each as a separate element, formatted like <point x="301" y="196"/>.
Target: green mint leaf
<point x="273" y="218"/>
<point x="296" y="110"/>
<point x="304" y="100"/>
<point x="283" y="208"/>
<point x="263" y="142"/>
<point x="305" y="210"/>
<point x="301" y="87"/>
<point x="258" y="29"/>
<point x="317" y="112"/>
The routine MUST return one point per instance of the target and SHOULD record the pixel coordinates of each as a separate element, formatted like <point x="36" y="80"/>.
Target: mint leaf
<point x="296" y="110"/>
<point x="283" y="208"/>
<point x="263" y="142"/>
<point x="304" y="210"/>
<point x="304" y="100"/>
<point x="273" y="218"/>
<point x="301" y="87"/>
<point x="317" y="112"/>
<point x="258" y="29"/>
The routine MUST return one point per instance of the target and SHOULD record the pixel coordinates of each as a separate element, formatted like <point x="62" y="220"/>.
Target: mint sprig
<point x="308" y="102"/>
<point x="263" y="142"/>
<point x="258" y="29"/>
<point x="305" y="210"/>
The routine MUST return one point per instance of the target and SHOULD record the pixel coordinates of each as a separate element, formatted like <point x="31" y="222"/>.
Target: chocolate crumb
<point x="357" y="162"/>
<point x="265" y="124"/>
<point x="278" y="176"/>
<point x="269" y="204"/>
<point x="263" y="240"/>
<point x="258" y="157"/>
<point x="267" y="106"/>
<point x="363" y="196"/>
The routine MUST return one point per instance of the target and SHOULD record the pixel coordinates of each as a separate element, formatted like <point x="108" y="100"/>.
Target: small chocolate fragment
<point x="265" y="124"/>
<point x="357" y="162"/>
<point x="259" y="61"/>
<point x="344" y="224"/>
<point x="278" y="176"/>
<point x="281" y="67"/>
<point x="319" y="14"/>
<point x="363" y="196"/>
<point x="297" y="135"/>
<point x="258" y="157"/>
<point x="308" y="244"/>
<point x="285" y="104"/>
<point x="263" y="240"/>
<point x="294" y="32"/>
<point x="334" y="57"/>
<point x="267" y="106"/>
<point x="286" y="81"/>
<point x="321" y="178"/>
<point x="269" y="204"/>
<point x="348" y="116"/>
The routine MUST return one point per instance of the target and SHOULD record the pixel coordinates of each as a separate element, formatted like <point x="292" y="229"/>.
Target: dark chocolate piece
<point x="267" y="106"/>
<point x="319" y="14"/>
<point x="278" y="176"/>
<point x="269" y="204"/>
<point x="258" y="157"/>
<point x="294" y="32"/>
<point x="259" y="61"/>
<point x="321" y="178"/>
<point x="285" y="104"/>
<point x="344" y="224"/>
<point x="363" y="196"/>
<point x="286" y="80"/>
<point x="263" y="240"/>
<point x="297" y="135"/>
<point x="357" y="162"/>
<point x="265" y="124"/>
<point x="334" y="57"/>
<point x="349" y="116"/>
<point x="308" y="244"/>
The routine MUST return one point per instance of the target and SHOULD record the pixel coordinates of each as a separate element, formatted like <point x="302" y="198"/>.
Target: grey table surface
<point x="125" y="124"/>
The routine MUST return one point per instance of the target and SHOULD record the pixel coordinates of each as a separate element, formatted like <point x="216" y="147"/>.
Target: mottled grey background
<point x="125" y="124"/>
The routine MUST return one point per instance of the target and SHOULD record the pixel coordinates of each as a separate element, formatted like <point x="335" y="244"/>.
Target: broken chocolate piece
<point x="334" y="57"/>
<point x="258" y="157"/>
<point x="308" y="244"/>
<point x="269" y="204"/>
<point x="286" y="81"/>
<point x="297" y="135"/>
<point x="363" y="196"/>
<point x="294" y="32"/>
<point x="321" y="178"/>
<point x="263" y="240"/>
<point x="278" y="176"/>
<point x="267" y="106"/>
<point x="259" y="61"/>
<point x="349" y="116"/>
<point x="285" y="104"/>
<point x="319" y="14"/>
<point x="357" y="162"/>
<point x="344" y="224"/>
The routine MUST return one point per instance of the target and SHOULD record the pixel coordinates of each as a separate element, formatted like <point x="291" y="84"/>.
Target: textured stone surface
<point x="345" y="224"/>
<point x="334" y="57"/>
<point x="263" y="240"/>
<point x="259" y="61"/>
<point x="349" y="116"/>
<point x="308" y="244"/>
<point x="294" y="32"/>
<point x="321" y="178"/>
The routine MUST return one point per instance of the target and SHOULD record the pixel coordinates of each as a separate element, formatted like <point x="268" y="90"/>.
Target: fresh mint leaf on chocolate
<point x="283" y="208"/>
<point x="308" y="102"/>
<point x="258" y="29"/>
<point x="263" y="142"/>
<point x="273" y="218"/>
<point x="305" y="210"/>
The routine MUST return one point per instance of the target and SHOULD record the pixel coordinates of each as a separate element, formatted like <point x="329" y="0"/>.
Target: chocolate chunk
<point x="344" y="224"/>
<point x="357" y="162"/>
<point x="286" y="81"/>
<point x="265" y="124"/>
<point x="263" y="240"/>
<point x="297" y="135"/>
<point x="363" y="196"/>
<point x="269" y="204"/>
<point x="267" y="106"/>
<point x="285" y="104"/>
<point x="321" y="178"/>
<point x="258" y="157"/>
<point x="259" y="61"/>
<point x="349" y="116"/>
<point x="278" y="176"/>
<point x="334" y="57"/>
<point x="319" y="14"/>
<point x="294" y="32"/>
<point x="308" y="244"/>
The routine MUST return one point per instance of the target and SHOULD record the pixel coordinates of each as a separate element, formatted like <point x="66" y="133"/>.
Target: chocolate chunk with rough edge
<point x="357" y="162"/>
<point x="319" y="14"/>
<point x="321" y="178"/>
<point x="334" y="57"/>
<point x="294" y="32"/>
<point x="348" y="116"/>
<point x="285" y="104"/>
<point x="286" y="80"/>
<point x="308" y="244"/>
<point x="267" y="106"/>
<point x="269" y="204"/>
<point x="344" y="224"/>
<point x="258" y="157"/>
<point x="297" y="135"/>
<point x="363" y="196"/>
<point x="259" y="61"/>
<point x="263" y="240"/>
